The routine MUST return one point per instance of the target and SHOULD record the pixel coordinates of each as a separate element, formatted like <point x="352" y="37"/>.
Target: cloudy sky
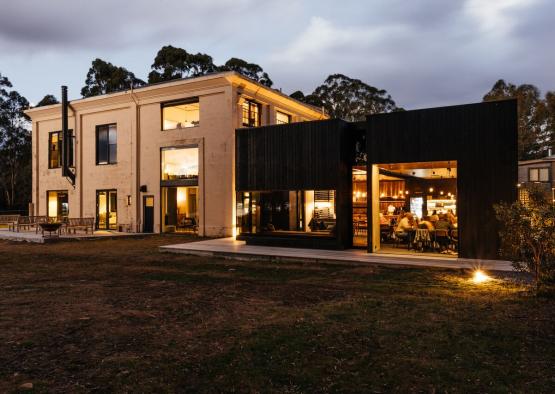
<point x="424" y="52"/>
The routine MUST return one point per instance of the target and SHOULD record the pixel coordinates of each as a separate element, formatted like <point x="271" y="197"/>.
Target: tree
<point x="49" y="99"/>
<point x="175" y="63"/>
<point x="351" y="99"/>
<point x="103" y="77"/>
<point x="15" y="148"/>
<point x="311" y="99"/>
<point x="531" y="116"/>
<point x="528" y="235"/>
<point x="249" y="70"/>
<point x="550" y="121"/>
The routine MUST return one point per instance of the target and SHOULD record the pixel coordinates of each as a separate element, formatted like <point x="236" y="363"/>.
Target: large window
<point x="180" y="164"/>
<point x="180" y="114"/>
<point x="287" y="212"/>
<point x="251" y="113"/>
<point x="55" y="140"/>
<point x="106" y="144"/>
<point x="282" y="118"/>
<point x="539" y="174"/>
<point x="57" y="205"/>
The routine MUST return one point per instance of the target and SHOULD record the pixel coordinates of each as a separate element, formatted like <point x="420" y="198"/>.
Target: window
<point x="55" y="140"/>
<point x="57" y="206"/>
<point x="282" y="118"/>
<point x="54" y="151"/>
<point x="251" y="114"/>
<point x="287" y="212"/>
<point x="106" y="209"/>
<point x="538" y="175"/>
<point x="180" y="164"/>
<point x="180" y="114"/>
<point x="106" y="144"/>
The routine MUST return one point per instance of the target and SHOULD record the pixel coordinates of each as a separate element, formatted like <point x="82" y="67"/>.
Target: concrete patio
<point x="32" y="236"/>
<point x="233" y="249"/>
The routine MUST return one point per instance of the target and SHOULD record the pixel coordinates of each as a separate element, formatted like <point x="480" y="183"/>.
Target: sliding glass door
<point x="106" y="209"/>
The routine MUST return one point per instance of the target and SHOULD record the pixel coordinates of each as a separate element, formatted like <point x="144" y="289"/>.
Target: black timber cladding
<point x="482" y="138"/>
<point x="297" y="156"/>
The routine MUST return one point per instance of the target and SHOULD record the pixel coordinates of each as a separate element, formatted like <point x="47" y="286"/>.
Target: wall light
<point x="128" y="199"/>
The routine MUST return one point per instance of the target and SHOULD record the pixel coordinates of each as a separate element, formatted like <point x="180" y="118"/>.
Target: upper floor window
<point x="55" y="141"/>
<point x="251" y="113"/>
<point x="282" y="118"/>
<point x="180" y="114"/>
<point x="538" y="175"/>
<point x="106" y="144"/>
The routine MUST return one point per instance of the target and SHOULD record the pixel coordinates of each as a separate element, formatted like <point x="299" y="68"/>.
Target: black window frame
<point x="250" y="118"/>
<point x="59" y="151"/>
<point x="108" y="147"/>
<point x="174" y="103"/>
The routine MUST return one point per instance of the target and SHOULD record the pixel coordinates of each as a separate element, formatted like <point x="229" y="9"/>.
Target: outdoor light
<point x="480" y="276"/>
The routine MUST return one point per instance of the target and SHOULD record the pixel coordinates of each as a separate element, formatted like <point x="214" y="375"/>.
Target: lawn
<point x="117" y="315"/>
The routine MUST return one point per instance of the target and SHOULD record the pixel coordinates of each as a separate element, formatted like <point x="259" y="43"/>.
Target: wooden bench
<point x="23" y="222"/>
<point x="9" y="220"/>
<point x="79" y="224"/>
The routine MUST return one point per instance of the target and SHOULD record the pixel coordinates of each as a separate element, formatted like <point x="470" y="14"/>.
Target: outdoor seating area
<point x="52" y="226"/>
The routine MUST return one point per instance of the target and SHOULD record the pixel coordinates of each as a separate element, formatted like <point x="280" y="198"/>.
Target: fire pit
<point x="50" y="228"/>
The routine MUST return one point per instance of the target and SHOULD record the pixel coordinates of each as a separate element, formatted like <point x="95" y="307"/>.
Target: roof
<point x="230" y="75"/>
<point x="547" y="159"/>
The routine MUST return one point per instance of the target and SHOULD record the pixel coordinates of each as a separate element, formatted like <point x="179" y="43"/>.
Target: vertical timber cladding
<point x="481" y="137"/>
<point x="313" y="155"/>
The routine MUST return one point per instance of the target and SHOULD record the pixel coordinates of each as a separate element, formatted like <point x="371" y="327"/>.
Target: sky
<point x="425" y="53"/>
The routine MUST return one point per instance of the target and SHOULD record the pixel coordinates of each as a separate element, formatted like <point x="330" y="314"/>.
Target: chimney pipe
<point x="65" y="134"/>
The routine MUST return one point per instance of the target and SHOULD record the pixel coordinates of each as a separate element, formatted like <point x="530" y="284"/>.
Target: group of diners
<point x="437" y="231"/>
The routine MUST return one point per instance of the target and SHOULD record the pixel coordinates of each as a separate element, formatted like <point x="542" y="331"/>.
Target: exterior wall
<point x="140" y="138"/>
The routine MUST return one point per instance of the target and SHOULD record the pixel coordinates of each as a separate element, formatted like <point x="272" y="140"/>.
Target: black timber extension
<point x="318" y="155"/>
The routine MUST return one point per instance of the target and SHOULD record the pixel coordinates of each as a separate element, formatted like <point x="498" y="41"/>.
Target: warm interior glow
<point x="480" y="276"/>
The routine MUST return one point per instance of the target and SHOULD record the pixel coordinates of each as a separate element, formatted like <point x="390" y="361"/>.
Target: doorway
<point x="179" y="209"/>
<point x="106" y="209"/>
<point x="148" y="214"/>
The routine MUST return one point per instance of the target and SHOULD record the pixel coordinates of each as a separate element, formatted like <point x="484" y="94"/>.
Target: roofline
<point x="537" y="161"/>
<point x="229" y="75"/>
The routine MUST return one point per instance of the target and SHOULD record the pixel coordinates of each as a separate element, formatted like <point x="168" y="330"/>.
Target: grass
<point x="117" y="315"/>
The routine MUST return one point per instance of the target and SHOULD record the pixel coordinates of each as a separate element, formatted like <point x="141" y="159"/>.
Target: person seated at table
<point x="405" y="225"/>
<point x="383" y="219"/>
<point x="426" y="223"/>
<point x="451" y="217"/>
<point x="434" y="217"/>
<point x="443" y="223"/>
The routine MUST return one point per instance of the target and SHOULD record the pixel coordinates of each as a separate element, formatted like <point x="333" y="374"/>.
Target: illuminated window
<point x="181" y="114"/>
<point x="55" y="139"/>
<point x="106" y="144"/>
<point x="57" y="206"/>
<point x="538" y="175"/>
<point x="180" y="164"/>
<point x="251" y="113"/>
<point x="282" y="118"/>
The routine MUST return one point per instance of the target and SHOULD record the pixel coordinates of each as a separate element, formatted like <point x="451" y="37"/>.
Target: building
<point x="337" y="184"/>
<point x="159" y="158"/>
<point x="537" y="172"/>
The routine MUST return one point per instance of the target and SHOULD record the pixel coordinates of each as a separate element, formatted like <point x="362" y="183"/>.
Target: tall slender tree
<point x="15" y="148"/>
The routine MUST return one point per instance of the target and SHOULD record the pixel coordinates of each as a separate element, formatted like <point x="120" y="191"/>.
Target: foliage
<point x="535" y="121"/>
<point x="103" y="77"/>
<point x="249" y="70"/>
<point x="175" y="63"/>
<point x="349" y="98"/>
<point x="15" y="148"/>
<point x="528" y="235"/>
<point x="49" y="99"/>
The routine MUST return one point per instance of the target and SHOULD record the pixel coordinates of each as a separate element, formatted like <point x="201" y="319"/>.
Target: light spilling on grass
<point x="480" y="276"/>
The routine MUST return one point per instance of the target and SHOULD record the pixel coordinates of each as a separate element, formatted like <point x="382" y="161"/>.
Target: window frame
<point x="179" y="182"/>
<point x="538" y="170"/>
<point x="60" y="138"/>
<point x="258" y="118"/>
<point x="174" y="103"/>
<point x="97" y="148"/>
<point x="289" y="117"/>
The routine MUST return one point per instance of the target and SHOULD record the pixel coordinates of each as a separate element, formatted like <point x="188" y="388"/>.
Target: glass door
<point x="106" y="209"/>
